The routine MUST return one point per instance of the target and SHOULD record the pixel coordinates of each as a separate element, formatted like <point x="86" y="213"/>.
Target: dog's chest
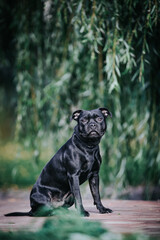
<point x="88" y="163"/>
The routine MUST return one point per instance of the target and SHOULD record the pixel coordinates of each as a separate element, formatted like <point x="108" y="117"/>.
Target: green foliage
<point x="74" y="54"/>
<point x="18" y="173"/>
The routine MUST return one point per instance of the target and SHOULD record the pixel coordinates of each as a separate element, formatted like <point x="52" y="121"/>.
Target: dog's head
<point x="91" y="124"/>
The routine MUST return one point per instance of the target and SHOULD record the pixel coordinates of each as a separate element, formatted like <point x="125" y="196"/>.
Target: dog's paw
<point x="85" y="213"/>
<point x="104" y="210"/>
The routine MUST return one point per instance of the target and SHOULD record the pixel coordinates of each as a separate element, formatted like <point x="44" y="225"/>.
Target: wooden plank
<point x="129" y="216"/>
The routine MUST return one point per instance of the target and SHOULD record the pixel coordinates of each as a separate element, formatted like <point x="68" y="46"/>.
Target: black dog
<point x="76" y="161"/>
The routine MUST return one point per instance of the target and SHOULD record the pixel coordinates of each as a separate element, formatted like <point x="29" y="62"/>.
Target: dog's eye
<point x="99" y="119"/>
<point x="84" y="120"/>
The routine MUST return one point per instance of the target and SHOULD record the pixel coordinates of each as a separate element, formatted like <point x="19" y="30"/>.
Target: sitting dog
<point x="76" y="161"/>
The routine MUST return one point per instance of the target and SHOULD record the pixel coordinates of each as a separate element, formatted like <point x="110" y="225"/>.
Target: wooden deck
<point x="128" y="216"/>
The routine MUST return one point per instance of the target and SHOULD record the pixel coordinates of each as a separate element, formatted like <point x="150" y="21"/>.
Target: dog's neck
<point x="89" y="143"/>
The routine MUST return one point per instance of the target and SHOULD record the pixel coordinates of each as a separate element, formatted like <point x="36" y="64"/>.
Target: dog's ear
<point x="76" y="114"/>
<point x="105" y="112"/>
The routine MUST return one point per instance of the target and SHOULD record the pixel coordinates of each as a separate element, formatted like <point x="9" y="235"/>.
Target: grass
<point x="17" y="173"/>
<point x="18" y="166"/>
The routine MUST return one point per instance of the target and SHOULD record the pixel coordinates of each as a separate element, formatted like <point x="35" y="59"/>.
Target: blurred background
<point x="60" y="56"/>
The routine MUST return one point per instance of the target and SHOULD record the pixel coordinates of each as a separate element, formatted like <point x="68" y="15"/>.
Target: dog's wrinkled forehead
<point x="90" y="114"/>
<point x="101" y="112"/>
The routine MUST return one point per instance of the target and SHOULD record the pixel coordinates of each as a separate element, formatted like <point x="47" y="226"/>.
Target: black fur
<point x="76" y="161"/>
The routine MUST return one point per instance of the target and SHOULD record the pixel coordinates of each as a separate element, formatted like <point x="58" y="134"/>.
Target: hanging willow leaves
<point x="86" y="54"/>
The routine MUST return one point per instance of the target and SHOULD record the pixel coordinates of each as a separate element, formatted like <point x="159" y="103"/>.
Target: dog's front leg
<point x="94" y="186"/>
<point x="75" y="189"/>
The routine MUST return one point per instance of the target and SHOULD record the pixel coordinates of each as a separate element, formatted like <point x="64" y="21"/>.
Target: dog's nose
<point x="92" y="125"/>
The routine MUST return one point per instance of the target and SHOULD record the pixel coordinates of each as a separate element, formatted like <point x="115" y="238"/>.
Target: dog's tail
<point x="19" y="214"/>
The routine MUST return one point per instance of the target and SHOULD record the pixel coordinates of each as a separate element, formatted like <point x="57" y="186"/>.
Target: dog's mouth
<point x="93" y="133"/>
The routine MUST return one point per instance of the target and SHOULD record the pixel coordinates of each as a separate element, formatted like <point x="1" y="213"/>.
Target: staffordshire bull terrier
<point x="75" y="162"/>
